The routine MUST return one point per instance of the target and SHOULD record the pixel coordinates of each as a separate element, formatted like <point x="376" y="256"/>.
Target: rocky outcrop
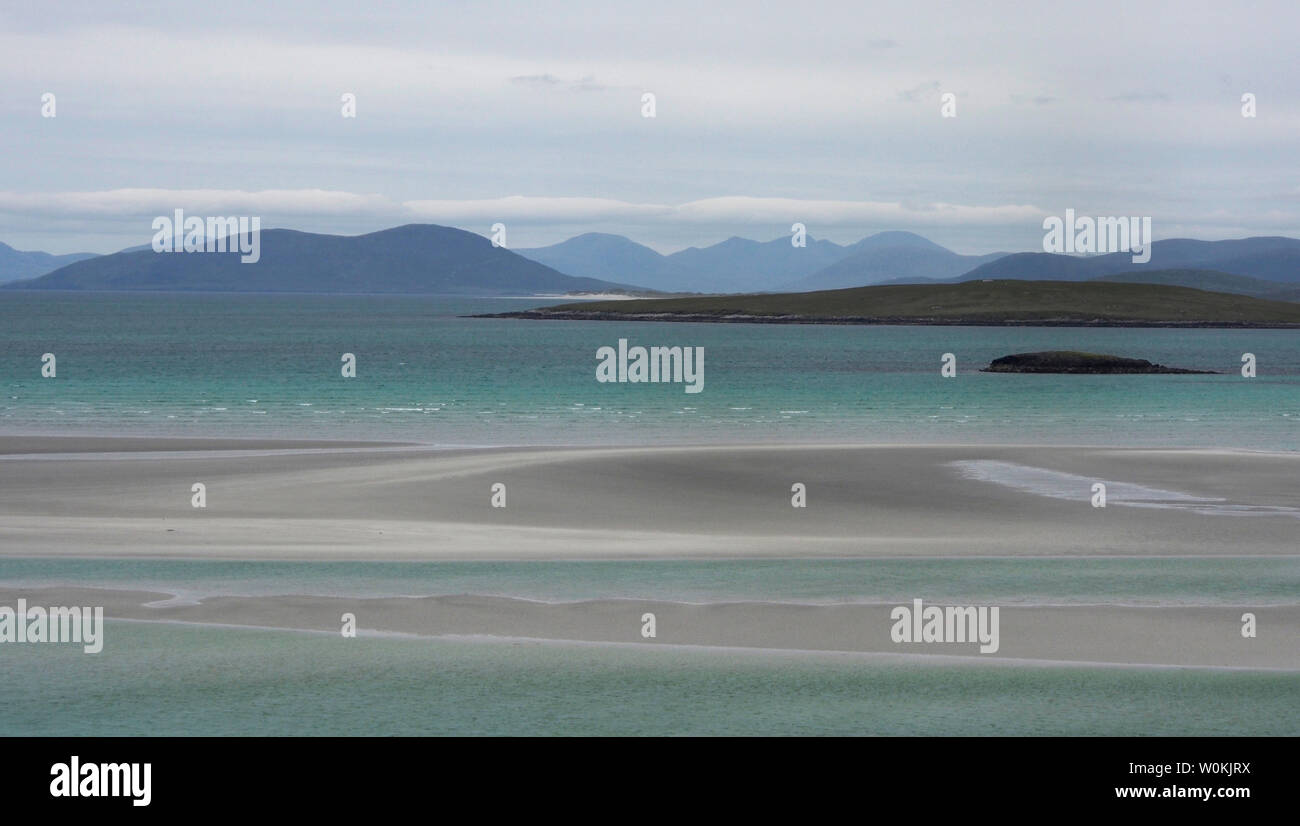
<point x="1070" y="361"/>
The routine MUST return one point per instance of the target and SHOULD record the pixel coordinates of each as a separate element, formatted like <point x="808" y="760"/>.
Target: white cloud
<point x="284" y="204"/>
<point x="538" y="210"/>
<point x="124" y="203"/>
<point x="740" y="209"/>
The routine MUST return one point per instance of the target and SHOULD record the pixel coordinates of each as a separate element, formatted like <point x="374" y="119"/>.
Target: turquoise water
<point x="1162" y="581"/>
<point x="230" y="365"/>
<point x="217" y="681"/>
<point x="268" y="366"/>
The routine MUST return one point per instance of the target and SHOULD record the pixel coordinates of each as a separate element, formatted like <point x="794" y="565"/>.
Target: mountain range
<point x="1264" y="266"/>
<point x="411" y="259"/>
<point x="734" y="265"/>
<point x="891" y="256"/>
<point x="429" y="259"/>
<point x="742" y="265"/>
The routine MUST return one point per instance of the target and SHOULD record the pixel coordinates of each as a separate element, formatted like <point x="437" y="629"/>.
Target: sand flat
<point x="69" y="497"/>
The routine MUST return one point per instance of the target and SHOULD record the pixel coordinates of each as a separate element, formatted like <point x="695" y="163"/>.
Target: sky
<point x="531" y="115"/>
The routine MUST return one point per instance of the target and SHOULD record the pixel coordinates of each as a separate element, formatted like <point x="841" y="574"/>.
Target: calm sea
<point x="230" y="365"/>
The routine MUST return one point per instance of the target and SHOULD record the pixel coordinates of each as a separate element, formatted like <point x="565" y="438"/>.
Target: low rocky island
<point x="1001" y="302"/>
<point x="1072" y="361"/>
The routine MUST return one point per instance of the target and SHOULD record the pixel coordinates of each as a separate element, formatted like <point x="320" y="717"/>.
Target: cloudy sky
<point x="530" y="114"/>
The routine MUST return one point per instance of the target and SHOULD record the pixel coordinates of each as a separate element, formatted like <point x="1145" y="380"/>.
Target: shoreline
<point x="741" y="318"/>
<point x="17" y="444"/>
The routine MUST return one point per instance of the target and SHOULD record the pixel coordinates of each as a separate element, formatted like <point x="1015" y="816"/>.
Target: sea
<point x="269" y="366"/>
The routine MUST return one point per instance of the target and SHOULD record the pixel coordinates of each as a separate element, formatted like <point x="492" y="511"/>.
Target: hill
<point x="974" y="303"/>
<point x="1272" y="258"/>
<point x="1212" y="280"/>
<point x="16" y="264"/>
<point x="411" y="259"/>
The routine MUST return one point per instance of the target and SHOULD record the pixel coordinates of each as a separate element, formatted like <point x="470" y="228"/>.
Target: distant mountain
<point x="1271" y="258"/>
<point x="893" y="238"/>
<point x="734" y="265"/>
<point x="1212" y="280"/>
<point x="15" y="264"/>
<point x="424" y="258"/>
<point x="412" y="259"/>
<point x="742" y="265"/>
<point x="607" y="257"/>
<point x="893" y="257"/>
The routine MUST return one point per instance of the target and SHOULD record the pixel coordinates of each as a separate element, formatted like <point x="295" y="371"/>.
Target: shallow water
<point x="159" y="678"/>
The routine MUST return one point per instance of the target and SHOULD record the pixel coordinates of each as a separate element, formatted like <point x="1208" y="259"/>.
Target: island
<point x="1073" y="361"/>
<point x="1002" y="302"/>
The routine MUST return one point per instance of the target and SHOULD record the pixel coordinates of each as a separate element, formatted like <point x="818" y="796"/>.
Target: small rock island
<point x="1072" y="361"/>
